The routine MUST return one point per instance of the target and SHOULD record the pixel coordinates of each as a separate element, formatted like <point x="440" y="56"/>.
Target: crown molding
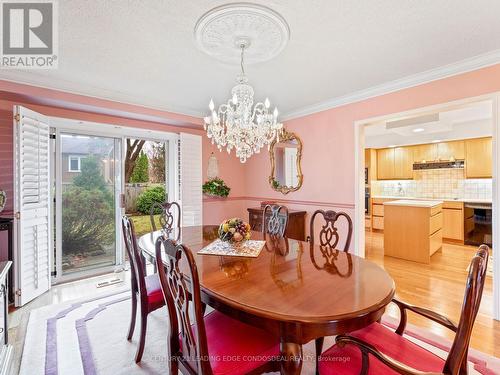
<point x="463" y="66"/>
<point x="109" y="95"/>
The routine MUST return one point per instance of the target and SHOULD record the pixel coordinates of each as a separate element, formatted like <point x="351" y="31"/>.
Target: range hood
<point x="455" y="164"/>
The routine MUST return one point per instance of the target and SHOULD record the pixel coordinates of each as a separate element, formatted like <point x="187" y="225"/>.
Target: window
<point x="74" y="163"/>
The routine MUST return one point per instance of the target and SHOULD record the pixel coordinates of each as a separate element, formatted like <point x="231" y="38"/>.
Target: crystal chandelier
<point x="240" y="124"/>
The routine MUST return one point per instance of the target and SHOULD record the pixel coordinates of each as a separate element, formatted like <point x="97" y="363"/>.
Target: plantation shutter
<point x="32" y="205"/>
<point x="190" y="179"/>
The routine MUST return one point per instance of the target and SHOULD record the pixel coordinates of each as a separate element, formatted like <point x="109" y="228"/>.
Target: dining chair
<point x="328" y="235"/>
<point x="146" y="290"/>
<point x="211" y="344"/>
<point x="378" y="350"/>
<point x="276" y="222"/>
<point x="328" y="239"/>
<point x="167" y="216"/>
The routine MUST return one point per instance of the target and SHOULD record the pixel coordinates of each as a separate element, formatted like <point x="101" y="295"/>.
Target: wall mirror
<point x="285" y="155"/>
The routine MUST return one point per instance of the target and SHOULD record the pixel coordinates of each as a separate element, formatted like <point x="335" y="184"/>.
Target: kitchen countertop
<point x="470" y="200"/>
<point x="414" y="203"/>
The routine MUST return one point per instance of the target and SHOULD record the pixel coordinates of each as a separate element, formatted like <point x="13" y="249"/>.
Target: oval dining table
<point x="297" y="291"/>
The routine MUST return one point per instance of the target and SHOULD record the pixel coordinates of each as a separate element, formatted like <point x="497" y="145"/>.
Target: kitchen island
<point x="413" y="229"/>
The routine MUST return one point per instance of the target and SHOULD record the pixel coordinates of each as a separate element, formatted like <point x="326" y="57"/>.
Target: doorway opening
<point x="99" y="174"/>
<point x="446" y="153"/>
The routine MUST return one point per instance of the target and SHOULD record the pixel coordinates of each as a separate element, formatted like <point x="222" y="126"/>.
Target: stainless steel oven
<point x="477" y="223"/>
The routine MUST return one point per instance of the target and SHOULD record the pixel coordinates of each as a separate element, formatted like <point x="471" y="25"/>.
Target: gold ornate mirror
<point x="285" y="155"/>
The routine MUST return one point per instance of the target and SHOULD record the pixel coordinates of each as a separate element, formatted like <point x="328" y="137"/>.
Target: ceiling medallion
<point x="258" y="33"/>
<point x="217" y="31"/>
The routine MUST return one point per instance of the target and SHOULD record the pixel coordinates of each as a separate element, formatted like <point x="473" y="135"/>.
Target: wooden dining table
<point x="297" y="291"/>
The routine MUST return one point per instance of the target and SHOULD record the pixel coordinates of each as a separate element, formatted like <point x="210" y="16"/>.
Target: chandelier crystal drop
<point x="240" y="124"/>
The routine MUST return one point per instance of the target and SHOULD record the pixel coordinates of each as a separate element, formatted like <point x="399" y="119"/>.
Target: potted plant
<point x="216" y="187"/>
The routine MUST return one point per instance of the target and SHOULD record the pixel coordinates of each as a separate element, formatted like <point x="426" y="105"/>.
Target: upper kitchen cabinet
<point x="427" y="152"/>
<point x="478" y="158"/>
<point x="395" y="163"/>
<point x="403" y="163"/>
<point x="439" y="151"/>
<point x="451" y="150"/>
<point x="385" y="164"/>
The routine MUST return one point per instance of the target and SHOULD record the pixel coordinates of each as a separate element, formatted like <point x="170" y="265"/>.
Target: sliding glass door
<point x="88" y="186"/>
<point x="100" y="174"/>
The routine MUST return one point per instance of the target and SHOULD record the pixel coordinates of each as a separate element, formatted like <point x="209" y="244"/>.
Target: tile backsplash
<point x="435" y="183"/>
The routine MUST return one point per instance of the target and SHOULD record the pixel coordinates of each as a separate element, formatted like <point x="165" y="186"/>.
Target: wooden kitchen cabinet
<point x="478" y="158"/>
<point x="453" y="221"/>
<point x="395" y="163"/>
<point x="427" y="152"/>
<point x="377" y="212"/>
<point x="403" y="163"/>
<point x="385" y="164"/>
<point x="451" y="150"/>
<point x="420" y="240"/>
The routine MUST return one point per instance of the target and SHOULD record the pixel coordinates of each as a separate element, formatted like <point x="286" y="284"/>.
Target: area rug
<point x="89" y="337"/>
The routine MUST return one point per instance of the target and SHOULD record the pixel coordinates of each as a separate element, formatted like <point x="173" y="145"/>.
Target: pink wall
<point x="328" y="140"/>
<point x="36" y="98"/>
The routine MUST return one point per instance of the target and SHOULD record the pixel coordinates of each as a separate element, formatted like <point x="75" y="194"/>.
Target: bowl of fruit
<point x="234" y="230"/>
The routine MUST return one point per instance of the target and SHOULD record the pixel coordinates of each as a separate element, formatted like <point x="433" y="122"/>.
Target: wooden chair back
<point x="456" y="362"/>
<point x="182" y="293"/>
<point x="169" y="218"/>
<point x="329" y="237"/>
<point x="137" y="263"/>
<point x="276" y="222"/>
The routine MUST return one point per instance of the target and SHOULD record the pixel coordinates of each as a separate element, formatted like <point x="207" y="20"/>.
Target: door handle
<point x="122" y="200"/>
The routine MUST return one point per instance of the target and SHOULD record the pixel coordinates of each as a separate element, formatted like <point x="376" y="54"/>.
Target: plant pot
<point x="3" y="200"/>
<point x="214" y="196"/>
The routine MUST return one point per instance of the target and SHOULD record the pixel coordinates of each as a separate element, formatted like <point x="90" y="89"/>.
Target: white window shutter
<point x="191" y="179"/>
<point x="32" y="205"/>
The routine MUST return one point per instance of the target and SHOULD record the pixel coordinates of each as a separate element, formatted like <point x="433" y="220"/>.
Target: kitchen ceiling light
<point x="418" y="130"/>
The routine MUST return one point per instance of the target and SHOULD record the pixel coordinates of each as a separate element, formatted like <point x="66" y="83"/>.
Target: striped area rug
<point x="89" y="337"/>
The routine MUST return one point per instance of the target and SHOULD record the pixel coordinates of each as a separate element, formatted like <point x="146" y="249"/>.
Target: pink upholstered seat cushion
<point x="237" y="348"/>
<point x="153" y="290"/>
<point x="347" y="360"/>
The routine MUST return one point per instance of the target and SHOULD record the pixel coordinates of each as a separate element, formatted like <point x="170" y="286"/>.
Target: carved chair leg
<point x="319" y="350"/>
<point x="142" y="337"/>
<point x="173" y="366"/>
<point x="132" y="317"/>
<point x="364" y="363"/>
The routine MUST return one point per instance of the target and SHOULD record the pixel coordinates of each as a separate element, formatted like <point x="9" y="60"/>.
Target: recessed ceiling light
<point x="391" y="146"/>
<point x="418" y="130"/>
<point x="436" y="141"/>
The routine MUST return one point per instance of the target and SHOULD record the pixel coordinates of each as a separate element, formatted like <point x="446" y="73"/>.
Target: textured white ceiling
<point x="143" y="52"/>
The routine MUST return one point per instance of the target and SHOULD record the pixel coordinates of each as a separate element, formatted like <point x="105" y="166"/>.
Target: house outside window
<point x="74" y="163"/>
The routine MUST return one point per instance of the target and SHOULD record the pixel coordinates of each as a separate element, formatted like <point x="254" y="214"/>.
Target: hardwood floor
<point x="439" y="286"/>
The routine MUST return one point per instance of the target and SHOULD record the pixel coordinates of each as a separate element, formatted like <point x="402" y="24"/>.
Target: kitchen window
<point x="74" y="163"/>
